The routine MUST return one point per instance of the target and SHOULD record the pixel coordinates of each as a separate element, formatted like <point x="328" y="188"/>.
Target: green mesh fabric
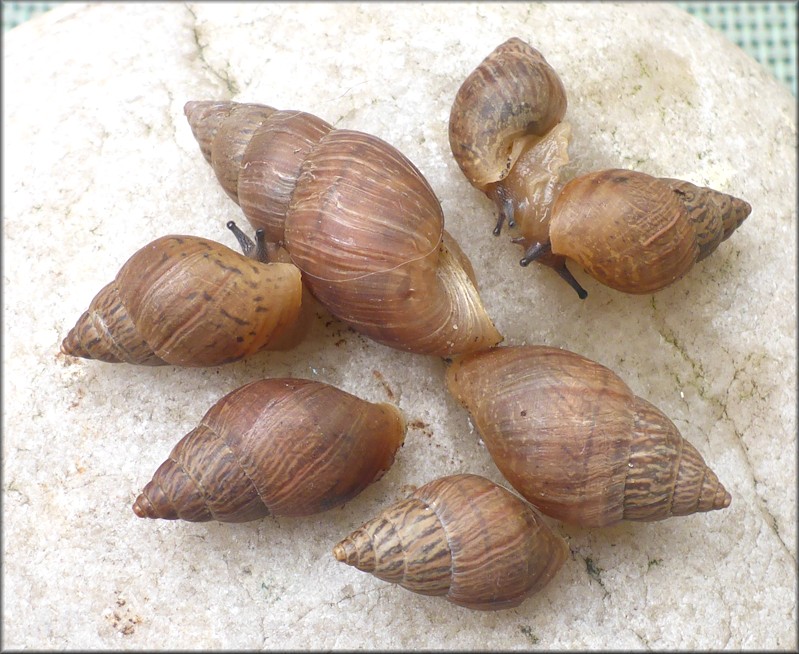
<point x="15" y="13"/>
<point x="766" y="30"/>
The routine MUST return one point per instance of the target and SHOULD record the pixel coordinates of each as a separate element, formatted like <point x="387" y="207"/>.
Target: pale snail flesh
<point x="358" y="219"/>
<point x="189" y="301"/>
<point x="462" y="537"/>
<point x="575" y="441"/>
<point x="280" y="447"/>
<point x="630" y="231"/>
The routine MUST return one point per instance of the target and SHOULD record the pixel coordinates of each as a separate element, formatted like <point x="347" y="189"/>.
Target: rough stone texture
<point x="100" y="160"/>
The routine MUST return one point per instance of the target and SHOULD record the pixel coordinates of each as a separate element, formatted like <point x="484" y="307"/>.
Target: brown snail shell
<point x="189" y="301"/>
<point x="358" y="219"/>
<point x="574" y="440"/>
<point x="513" y="95"/>
<point x="637" y="233"/>
<point x="281" y="447"/>
<point x="463" y="537"/>
<point x="630" y="231"/>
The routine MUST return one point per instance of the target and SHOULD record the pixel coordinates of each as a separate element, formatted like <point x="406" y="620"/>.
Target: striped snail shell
<point x="358" y="219"/>
<point x="281" y="447"/>
<point x="630" y="231"/>
<point x="462" y="537"/>
<point x="188" y="301"/>
<point x="574" y="440"/>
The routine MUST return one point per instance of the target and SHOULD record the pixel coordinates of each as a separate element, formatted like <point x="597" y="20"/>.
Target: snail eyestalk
<point x="504" y="203"/>
<point x="245" y="242"/>
<point x="261" y="253"/>
<point x="565" y="275"/>
<point x="534" y="252"/>
<point x="256" y="250"/>
<point x="540" y="250"/>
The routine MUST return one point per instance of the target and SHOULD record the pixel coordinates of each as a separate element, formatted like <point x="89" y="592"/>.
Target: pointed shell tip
<point x="339" y="553"/>
<point x="71" y="345"/>
<point x="137" y="508"/>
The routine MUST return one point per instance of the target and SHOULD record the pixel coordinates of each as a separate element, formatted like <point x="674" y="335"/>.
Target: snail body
<point x="281" y="447"/>
<point x="358" y="219"/>
<point x="630" y="231"/>
<point x="462" y="537"/>
<point x="189" y="301"/>
<point x="575" y="441"/>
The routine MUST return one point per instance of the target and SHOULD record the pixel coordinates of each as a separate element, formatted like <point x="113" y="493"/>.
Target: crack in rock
<point x="224" y="76"/>
<point x="768" y="517"/>
<point x="670" y="338"/>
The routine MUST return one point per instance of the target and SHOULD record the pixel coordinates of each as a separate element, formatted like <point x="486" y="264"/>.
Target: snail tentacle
<point x="566" y="275"/>
<point x="535" y="251"/>
<point x="245" y="242"/>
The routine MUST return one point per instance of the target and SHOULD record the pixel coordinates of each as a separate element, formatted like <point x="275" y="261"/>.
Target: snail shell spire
<point x="653" y="489"/>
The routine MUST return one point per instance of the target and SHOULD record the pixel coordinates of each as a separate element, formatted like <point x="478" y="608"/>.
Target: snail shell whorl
<point x="106" y="332"/>
<point x="463" y="537"/>
<point x="285" y="447"/>
<point x="512" y="94"/>
<point x="256" y="152"/>
<point x="575" y="441"/>
<point x="714" y="216"/>
<point x="188" y="301"/>
<point x="637" y="233"/>
<point x="366" y="230"/>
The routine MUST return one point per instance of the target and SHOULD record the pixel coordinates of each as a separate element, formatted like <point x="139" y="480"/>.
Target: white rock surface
<point x="99" y="160"/>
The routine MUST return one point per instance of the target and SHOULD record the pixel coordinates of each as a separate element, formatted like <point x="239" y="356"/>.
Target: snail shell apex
<point x="282" y="447"/>
<point x="462" y="537"/>
<point x="574" y="440"/>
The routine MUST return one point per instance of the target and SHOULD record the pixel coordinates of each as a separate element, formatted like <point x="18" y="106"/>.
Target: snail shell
<point x="637" y="233"/>
<point x="574" y="440"/>
<point x="630" y="231"/>
<point x="282" y="447"/>
<point x="513" y="96"/>
<point x="463" y="537"/>
<point x="357" y="218"/>
<point x="188" y="301"/>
